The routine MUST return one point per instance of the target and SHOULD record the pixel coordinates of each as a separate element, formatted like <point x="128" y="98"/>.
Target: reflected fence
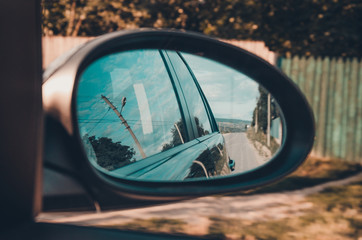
<point x="333" y="87"/>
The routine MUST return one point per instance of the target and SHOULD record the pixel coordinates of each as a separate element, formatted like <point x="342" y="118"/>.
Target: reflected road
<point x="241" y="150"/>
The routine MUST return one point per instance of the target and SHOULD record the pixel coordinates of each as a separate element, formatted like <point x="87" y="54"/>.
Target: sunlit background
<point x="317" y="44"/>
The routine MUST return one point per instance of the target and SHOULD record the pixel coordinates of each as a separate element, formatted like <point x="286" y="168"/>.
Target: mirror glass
<point x="160" y="115"/>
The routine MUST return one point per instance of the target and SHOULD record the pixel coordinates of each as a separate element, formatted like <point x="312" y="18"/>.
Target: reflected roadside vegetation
<point x="247" y="116"/>
<point x="143" y="115"/>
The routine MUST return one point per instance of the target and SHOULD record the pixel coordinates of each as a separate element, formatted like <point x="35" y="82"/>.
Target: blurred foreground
<point x="322" y="200"/>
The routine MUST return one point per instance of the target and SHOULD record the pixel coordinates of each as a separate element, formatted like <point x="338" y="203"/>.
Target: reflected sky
<point x="230" y="93"/>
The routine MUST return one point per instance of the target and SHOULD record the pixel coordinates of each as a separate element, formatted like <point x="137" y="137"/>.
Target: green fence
<point x="333" y="87"/>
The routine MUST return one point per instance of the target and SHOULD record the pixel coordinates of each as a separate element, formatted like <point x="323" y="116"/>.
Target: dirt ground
<point x="208" y="216"/>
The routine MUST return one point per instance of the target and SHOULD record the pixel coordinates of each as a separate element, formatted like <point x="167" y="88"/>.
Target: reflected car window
<point x="132" y="113"/>
<point x="195" y="104"/>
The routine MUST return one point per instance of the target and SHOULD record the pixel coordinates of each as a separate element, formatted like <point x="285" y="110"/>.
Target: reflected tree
<point x="200" y="128"/>
<point x="178" y="136"/>
<point x="260" y="113"/>
<point x="111" y="155"/>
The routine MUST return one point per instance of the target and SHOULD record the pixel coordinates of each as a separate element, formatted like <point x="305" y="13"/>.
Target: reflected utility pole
<point x="125" y="123"/>
<point x="268" y="126"/>
<point x="256" y="118"/>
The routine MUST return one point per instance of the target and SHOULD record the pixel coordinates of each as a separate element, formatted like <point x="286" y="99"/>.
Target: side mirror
<point x="170" y="114"/>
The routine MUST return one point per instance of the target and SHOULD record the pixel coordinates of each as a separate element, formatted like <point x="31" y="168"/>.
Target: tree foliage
<point x="312" y="27"/>
<point x="176" y="138"/>
<point x="175" y="132"/>
<point x="304" y="27"/>
<point x="91" y="18"/>
<point x="111" y="155"/>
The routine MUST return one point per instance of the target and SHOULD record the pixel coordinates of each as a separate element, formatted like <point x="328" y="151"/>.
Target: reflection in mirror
<point x="247" y="116"/>
<point x="160" y="115"/>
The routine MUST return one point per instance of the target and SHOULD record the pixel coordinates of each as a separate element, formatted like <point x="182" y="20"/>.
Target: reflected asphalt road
<point x="242" y="152"/>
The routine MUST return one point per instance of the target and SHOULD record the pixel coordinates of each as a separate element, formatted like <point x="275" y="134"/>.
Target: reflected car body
<point x="197" y="158"/>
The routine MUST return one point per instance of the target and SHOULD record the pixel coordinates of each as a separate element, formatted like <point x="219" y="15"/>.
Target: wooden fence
<point x="54" y="46"/>
<point x="333" y="87"/>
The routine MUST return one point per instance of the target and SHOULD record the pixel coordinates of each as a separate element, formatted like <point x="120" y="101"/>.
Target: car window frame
<point x="206" y="107"/>
<point x="212" y="120"/>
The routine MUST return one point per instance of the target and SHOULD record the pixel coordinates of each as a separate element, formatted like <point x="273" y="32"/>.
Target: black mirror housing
<point x="60" y="89"/>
